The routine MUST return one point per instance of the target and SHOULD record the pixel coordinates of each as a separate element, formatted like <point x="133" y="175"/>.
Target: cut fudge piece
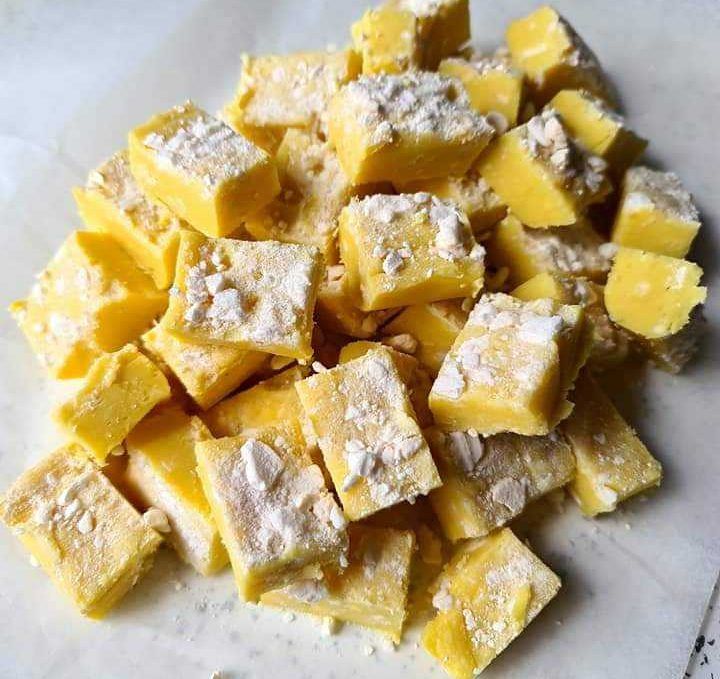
<point x="257" y="296"/>
<point x="372" y="591"/>
<point x="433" y="326"/>
<point x="400" y="128"/>
<point x="542" y="175"/>
<point x="656" y="213"/>
<point x="161" y="472"/>
<point x="206" y="173"/>
<point x="111" y="201"/>
<point x="208" y="372"/>
<point x="368" y="435"/>
<point x="470" y="192"/>
<point x="89" y="299"/>
<point x="553" y="56"/>
<point x="84" y="534"/>
<point x="118" y="391"/>
<point x="408" y="249"/>
<point x="599" y="129"/>
<point x="494" y="86"/>
<point x="487" y="482"/>
<point x="414" y="377"/>
<point x="443" y="25"/>
<point x="275" y="515"/>
<point x="314" y="190"/>
<point x="652" y="295"/>
<point x="277" y="91"/>
<point x="387" y="39"/>
<point x="576" y="250"/>
<point x="489" y="592"/>
<point x="511" y="367"/>
<point x="612" y="462"/>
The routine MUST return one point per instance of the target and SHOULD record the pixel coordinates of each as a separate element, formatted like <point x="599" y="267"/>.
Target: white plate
<point x="76" y="76"/>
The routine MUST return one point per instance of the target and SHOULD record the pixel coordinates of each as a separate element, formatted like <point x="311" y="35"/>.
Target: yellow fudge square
<point x="372" y="591"/>
<point x="90" y="541"/>
<point x="652" y="295"/>
<point x="89" y="299"/>
<point x="162" y="473"/>
<point x="204" y="171"/>
<point x="387" y="39"/>
<point x="118" y="391"/>
<point x="277" y="91"/>
<point x="656" y="213"/>
<point x="208" y="372"/>
<point x="576" y="250"/>
<point x="599" y="129"/>
<point x="111" y="201"/>
<point x="553" y="56"/>
<point x="542" y="175"/>
<point x="489" y="592"/>
<point x="314" y="191"/>
<point x="414" y="377"/>
<point x="470" y="192"/>
<point x="494" y="86"/>
<point x="443" y="25"/>
<point x="408" y="249"/>
<point x="434" y="327"/>
<point x="368" y="435"/>
<point x="487" y="482"/>
<point x="400" y="128"/>
<point x="612" y="462"/>
<point x="275" y="515"/>
<point x="255" y="296"/>
<point x="511" y="367"/>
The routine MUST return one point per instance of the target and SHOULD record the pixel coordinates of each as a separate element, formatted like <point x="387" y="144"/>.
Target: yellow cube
<point x="314" y="191"/>
<point x="612" y="462"/>
<point x="511" y="367"/>
<point x="400" y="128"/>
<point x="387" y="39"/>
<point x="111" y="201"/>
<point x="443" y="25"/>
<point x="162" y="473"/>
<point x="470" y="192"/>
<point x="598" y="128"/>
<point x="254" y="296"/>
<point x="489" y="592"/>
<point x="408" y="249"/>
<point x="89" y="299"/>
<point x="368" y="434"/>
<point x="554" y="56"/>
<point x="84" y="534"/>
<point x="434" y="326"/>
<point x="274" y="513"/>
<point x="576" y="250"/>
<point x="208" y="372"/>
<point x="277" y="91"/>
<point x="487" y="482"/>
<point x="206" y="173"/>
<point x="656" y="213"/>
<point x="494" y="86"/>
<point x="118" y="391"/>
<point x="372" y="591"/>
<point x="652" y="295"/>
<point x="542" y="175"/>
<point x="414" y="377"/>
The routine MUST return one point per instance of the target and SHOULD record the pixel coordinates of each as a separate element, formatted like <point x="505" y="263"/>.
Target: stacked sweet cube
<point x="343" y="335"/>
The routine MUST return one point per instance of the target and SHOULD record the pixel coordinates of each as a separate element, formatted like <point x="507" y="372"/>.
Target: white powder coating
<point x="202" y="148"/>
<point x="511" y="493"/>
<point x="450" y="382"/>
<point x="415" y="104"/>
<point x="262" y="465"/>
<point x="467" y="448"/>
<point x="646" y="188"/>
<point x="308" y="591"/>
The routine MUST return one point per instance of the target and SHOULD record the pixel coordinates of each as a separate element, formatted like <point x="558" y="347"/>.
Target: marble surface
<point x="76" y="76"/>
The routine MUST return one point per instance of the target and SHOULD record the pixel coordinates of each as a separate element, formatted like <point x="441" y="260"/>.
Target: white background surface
<point x="75" y="76"/>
